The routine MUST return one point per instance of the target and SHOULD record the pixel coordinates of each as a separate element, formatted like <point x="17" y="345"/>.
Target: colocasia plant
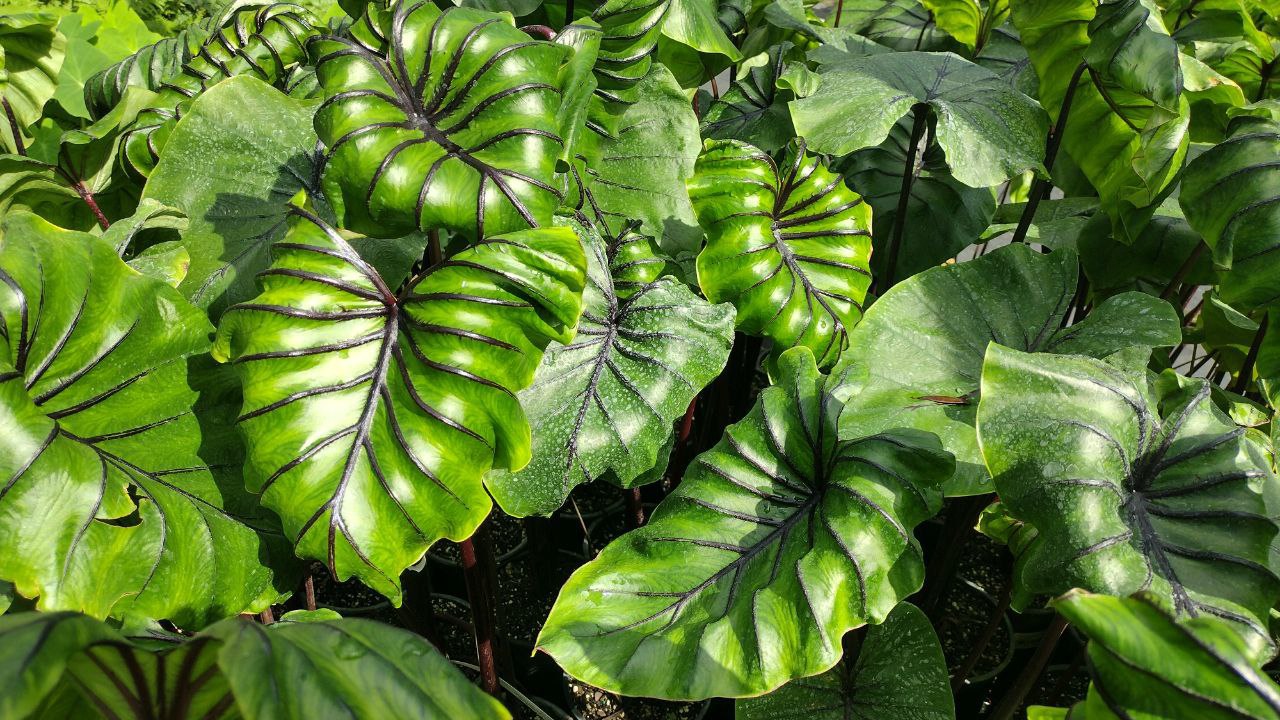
<point x="636" y="359"/>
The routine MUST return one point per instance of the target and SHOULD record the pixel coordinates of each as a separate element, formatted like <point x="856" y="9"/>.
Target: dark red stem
<point x="18" y="145"/>
<point x="543" y="31"/>
<point x="635" y="508"/>
<point x="1012" y="700"/>
<point x="479" y="568"/>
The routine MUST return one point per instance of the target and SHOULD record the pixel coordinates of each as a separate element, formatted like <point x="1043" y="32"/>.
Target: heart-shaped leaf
<point x="1131" y="485"/>
<point x="371" y="417"/>
<point x="1146" y="663"/>
<point x="149" y="67"/>
<point x="779" y="540"/>
<point x="1127" y="129"/>
<point x="440" y="119"/>
<point x="604" y="404"/>
<point x="263" y="41"/>
<point x="353" y="668"/>
<point x="989" y="131"/>
<point x="631" y="29"/>
<point x="31" y="54"/>
<point x="787" y="243"/>
<point x="903" y="25"/>
<point x="753" y="109"/>
<point x="916" y="358"/>
<point x="110" y="502"/>
<point x="899" y="669"/>
<point x="1231" y="196"/>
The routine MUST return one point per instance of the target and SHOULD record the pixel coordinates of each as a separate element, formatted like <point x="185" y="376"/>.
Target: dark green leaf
<point x="371" y="417"/>
<point x="788" y="244"/>
<point x="903" y="25"/>
<point x="988" y="130"/>
<point x="604" y="404"/>
<point x="899" y="672"/>
<point x="693" y="23"/>
<point x="111" y="504"/>
<point x="1131" y="485"/>
<point x="779" y="540"/>
<point x="1231" y="195"/>
<point x="1145" y="663"/>
<point x="917" y="355"/>
<point x="31" y="54"/>
<point x="753" y="109"/>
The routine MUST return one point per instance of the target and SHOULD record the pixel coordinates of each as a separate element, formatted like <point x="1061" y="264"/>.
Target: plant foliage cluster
<point x="832" y="297"/>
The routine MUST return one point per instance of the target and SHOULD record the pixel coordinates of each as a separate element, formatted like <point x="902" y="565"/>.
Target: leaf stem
<point x="1012" y="699"/>
<point x="480" y="571"/>
<point x="1246" y="371"/>
<point x="920" y="121"/>
<point x="962" y="514"/>
<point x="543" y="31"/>
<point x="635" y="507"/>
<point x="18" y="145"/>
<point x="1183" y="271"/>
<point x="839" y="12"/>
<point x="568" y="12"/>
<point x="1041" y="186"/>
<point x="983" y="640"/>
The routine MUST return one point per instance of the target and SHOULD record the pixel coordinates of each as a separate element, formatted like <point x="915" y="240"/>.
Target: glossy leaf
<point x="1147" y="264"/>
<point x="754" y="109"/>
<point x="988" y="131"/>
<point x="1231" y="195"/>
<point x="788" y="244"/>
<point x="1131" y="485"/>
<point x="31" y="54"/>
<point x="904" y="25"/>
<point x="262" y="41"/>
<point x="604" y="404"/>
<point x="899" y="672"/>
<point x="440" y="119"/>
<point x="306" y="665"/>
<point x="371" y="417"/>
<point x="693" y="23"/>
<point x="110" y="502"/>
<point x="149" y="67"/>
<point x="916" y="358"/>
<point x="943" y="215"/>
<point x="1146" y="663"/>
<point x="779" y="540"/>
<point x="631" y="29"/>
<point x="231" y="174"/>
<point x="1128" y="127"/>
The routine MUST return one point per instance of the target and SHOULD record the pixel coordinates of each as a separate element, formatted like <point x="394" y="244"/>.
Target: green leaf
<point x="604" y="404"/>
<point x="1212" y="97"/>
<point x="788" y="244"/>
<point x="899" y="670"/>
<point x="916" y="358"/>
<point x="943" y="215"/>
<point x="1004" y="55"/>
<point x="631" y="30"/>
<point x="1148" y="264"/>
<point x="371" y="417"/>
<point x="149" y="67"/>
<point x="779" y="540"/>
<point x="31" y="54"/>
<point x="633" y="161"/>
<point x="1231" y="196"/>
<point x="309" y="664"/>
<point x="150" y="215"/>
<point x="1131" y="485"/>
<point x="111" y="503"/>
<point x="263" y="41"/>
<point x="694" y="23"/>
<point x="1145" y="663"/>
<point x="989" y="131"/>
<point x="1128" y="123"/>
<point x="241" y="151"/>
<point x="355" y="667"/>
<point x="457" y="131"/>
<point x="904" y="25"/>
<point x="961" y="19"/>
<point x="753" y="109"/>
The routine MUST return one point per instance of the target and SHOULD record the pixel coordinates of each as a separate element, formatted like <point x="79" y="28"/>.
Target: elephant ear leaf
<point x="31" y="55"/>
<point x="605" y="403"/>
<point x="370" y="417"/>
<point x="1231" y="196"/>
<point x="108" y="505"/>
<point x="1145" y="662"/>
<point x="440" y="119"/>
<point x="779" y="540"/>
<point x="916" y="358"/>
<point x="231" y="670"/>
<point x="989" y="131"/>
<point x="1128" y="123"/>
<point x="787" y="243"/>
<point x="904" y="647"/>
<point x="1131" y="485"/>
<point x="754" y="108"/>
<point x="631" y="29"/>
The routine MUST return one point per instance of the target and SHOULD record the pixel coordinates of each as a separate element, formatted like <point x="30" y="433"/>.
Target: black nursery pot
<point x="586" y="702"/>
